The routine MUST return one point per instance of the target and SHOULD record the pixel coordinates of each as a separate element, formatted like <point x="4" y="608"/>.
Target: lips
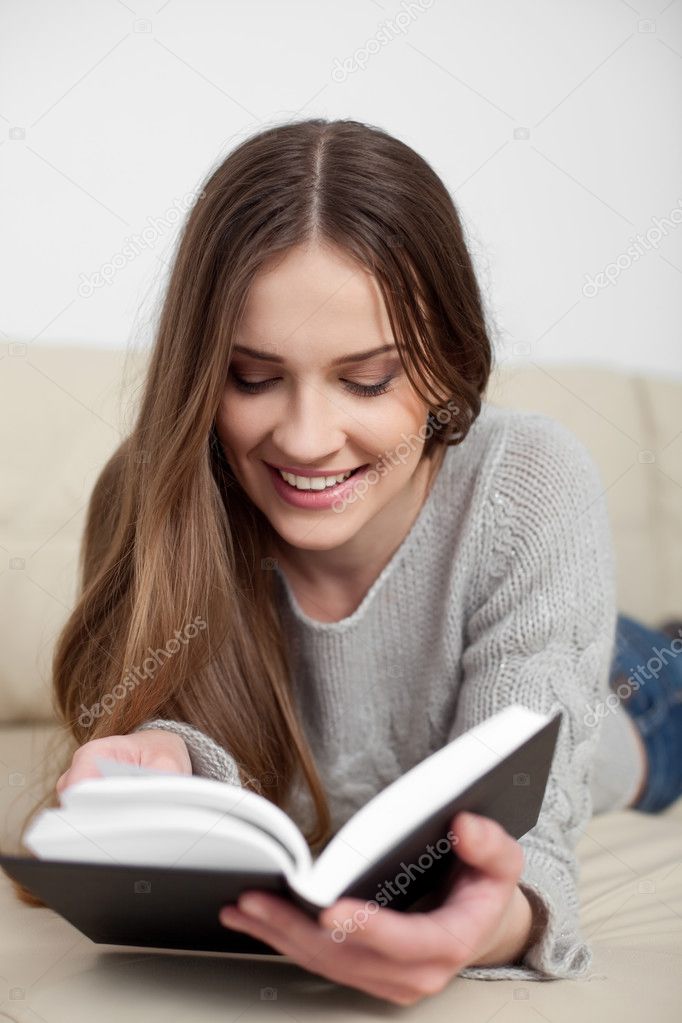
<point x="316" y="499"/>
<point x="315" y="472"/>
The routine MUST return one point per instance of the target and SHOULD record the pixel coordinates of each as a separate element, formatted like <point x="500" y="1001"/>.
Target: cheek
<point x="404" y="418"/>
<point x="236" y="428"/>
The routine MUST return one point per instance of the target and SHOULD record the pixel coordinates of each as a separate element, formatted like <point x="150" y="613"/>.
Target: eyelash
<point x="361" y="390"/>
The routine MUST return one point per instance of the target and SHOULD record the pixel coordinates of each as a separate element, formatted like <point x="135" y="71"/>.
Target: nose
<point x="310" y="428"/>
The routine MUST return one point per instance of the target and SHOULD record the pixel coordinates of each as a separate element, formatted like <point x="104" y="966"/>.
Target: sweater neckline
<point x="408" y="541"/>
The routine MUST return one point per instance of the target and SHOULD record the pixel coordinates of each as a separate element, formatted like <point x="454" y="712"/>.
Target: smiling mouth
<point x="317" y="484"/>
<point x="317" y="474"/>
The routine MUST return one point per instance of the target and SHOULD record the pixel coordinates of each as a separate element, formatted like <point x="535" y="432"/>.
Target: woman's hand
<point x="154" y="748"/>
<point x="486" y="920"/>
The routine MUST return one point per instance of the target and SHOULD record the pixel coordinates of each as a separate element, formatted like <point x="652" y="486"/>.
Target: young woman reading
<point x="382" y="560"/>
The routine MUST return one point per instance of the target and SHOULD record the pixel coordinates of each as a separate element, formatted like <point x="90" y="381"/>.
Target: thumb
<point x="484" y="844"/>
<point x="81" y="772"/>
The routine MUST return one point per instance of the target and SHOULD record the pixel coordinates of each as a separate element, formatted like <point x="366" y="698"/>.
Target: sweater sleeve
<point x="208" y="759"/>
<point x="541" y="633"/>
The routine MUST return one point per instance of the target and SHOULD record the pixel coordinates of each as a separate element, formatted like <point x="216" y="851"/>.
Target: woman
<point x="323" y="318"/>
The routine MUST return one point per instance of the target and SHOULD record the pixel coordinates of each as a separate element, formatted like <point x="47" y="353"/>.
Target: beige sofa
<point x="62" y="411"/>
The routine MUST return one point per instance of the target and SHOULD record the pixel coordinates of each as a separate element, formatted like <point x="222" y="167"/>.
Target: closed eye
<point x="362" y="390"/>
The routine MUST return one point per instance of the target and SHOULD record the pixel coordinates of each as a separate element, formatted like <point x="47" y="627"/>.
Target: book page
<point x="154" y="835"/>
<point x="395" y="811"/>
<point x="142" y="788"/>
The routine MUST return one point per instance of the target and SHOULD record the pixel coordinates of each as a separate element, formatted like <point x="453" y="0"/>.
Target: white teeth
<point x="313" y="482"/>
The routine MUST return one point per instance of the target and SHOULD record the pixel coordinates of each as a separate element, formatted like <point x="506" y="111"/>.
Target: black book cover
<point x="177" y="907"/>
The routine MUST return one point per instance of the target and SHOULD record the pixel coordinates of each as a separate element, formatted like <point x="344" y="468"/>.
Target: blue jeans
<point x="646" y="674"/>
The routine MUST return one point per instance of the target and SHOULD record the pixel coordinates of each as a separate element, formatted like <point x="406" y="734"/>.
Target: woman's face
<point x="310" y="315"/>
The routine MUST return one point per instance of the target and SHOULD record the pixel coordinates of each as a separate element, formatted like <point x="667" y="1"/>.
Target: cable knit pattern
<point x="503" y="591"/>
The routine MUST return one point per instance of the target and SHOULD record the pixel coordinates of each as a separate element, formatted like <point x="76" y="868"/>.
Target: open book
<point x="147" y="858"/>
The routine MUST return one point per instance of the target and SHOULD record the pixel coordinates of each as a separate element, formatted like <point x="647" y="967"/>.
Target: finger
<point x="303" y="936"/>
<point x="308" y="941"/>
<point x="484" y="844"/>
<point x="359" y="968"/>
<point x="311" y="947"/>
<point x="279" y="917"/>
<point x="493" y="864"/>
<point x="415" y="938"/>
<point x="76" y="774"/>
<point x="454" y="930"/>
<point x="166" y="762"/>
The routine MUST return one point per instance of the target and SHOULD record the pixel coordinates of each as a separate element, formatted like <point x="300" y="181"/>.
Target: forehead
<point x="311" y="295"/>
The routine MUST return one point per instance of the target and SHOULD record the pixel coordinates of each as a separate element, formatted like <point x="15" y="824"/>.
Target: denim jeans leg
<point x="646" y="674"/>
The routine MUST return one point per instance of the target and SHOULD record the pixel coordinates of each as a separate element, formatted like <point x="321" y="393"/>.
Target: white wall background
<point x="554" y="124"/>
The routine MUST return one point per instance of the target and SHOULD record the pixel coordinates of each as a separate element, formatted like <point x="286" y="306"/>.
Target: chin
<point x="322" y="537"/>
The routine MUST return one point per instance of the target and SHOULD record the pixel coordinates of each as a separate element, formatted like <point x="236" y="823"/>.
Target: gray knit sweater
<point x="503" y="591"/>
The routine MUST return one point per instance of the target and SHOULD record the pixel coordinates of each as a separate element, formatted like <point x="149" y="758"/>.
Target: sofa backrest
<point x="64" y="410"/>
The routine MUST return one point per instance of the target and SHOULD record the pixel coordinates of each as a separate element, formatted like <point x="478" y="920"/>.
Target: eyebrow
<point x="341" y="361"/>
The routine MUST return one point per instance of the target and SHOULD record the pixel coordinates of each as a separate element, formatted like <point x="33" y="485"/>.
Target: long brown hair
<point x="170" y="535"/>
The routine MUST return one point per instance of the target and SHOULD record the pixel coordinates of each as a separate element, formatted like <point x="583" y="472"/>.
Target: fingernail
<point x="476" y="827"/>
<point x="253" y="906"/>
<point x="229" y="916"/>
